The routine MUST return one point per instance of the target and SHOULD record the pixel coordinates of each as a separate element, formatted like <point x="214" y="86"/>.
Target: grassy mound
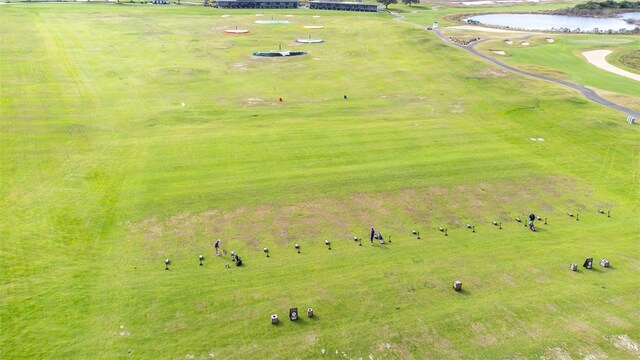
<point x="631" y="59"/>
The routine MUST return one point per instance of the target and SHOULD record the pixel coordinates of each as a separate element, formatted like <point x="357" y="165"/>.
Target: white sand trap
<point x="598" y="58"/>
<point x="480" y="28"/>
<point x="550" y="40"/>
<point x="314" y="27"/>
<point x="309" y="41"/>
<point x="508" y="42"/>
<point x="499" y="52"/>
<point x="225" y="15"/>
<point x="289" y="15"/>
<point x="237" y="31"/>
<point x="533" y="139"/>
<point x="316" y="16"/>
<point x="540" y="139"/>
<point x="524" y="43"/>
<point x="259" y="15"/>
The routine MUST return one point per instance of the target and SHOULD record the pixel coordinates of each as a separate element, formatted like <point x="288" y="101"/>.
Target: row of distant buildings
<point x="287" y="4"/>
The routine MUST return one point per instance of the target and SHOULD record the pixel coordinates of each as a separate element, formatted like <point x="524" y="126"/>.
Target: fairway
<point x="131" y="134"/>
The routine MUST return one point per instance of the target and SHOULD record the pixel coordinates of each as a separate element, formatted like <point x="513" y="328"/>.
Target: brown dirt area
<point x="353" y="215"/>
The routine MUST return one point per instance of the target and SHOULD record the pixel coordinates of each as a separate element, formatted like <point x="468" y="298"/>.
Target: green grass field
<point x="104" y="174"/>
<point x="562" y="58"/>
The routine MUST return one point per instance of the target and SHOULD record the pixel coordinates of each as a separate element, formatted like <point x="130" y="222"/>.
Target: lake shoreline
<point x="542" y="21"/>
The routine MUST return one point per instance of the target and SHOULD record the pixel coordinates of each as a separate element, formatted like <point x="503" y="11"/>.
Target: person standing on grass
<point x="373" y="233"/>
<point x="531" y="218"/>
<point x="217" y="247"/>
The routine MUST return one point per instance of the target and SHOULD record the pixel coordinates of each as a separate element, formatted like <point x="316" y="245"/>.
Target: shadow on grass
<point x="305" y="320"/>
<point x="464" y="292"/>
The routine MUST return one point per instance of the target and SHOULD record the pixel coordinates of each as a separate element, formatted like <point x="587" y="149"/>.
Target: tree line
<point x="599" y="8"/>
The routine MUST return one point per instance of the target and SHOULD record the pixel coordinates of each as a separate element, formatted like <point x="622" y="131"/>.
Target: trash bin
<point x="457" y="285"/>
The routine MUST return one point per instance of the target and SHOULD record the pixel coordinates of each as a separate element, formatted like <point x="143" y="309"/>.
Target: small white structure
<point x="274" y="319"/>
<point x="574" y="267"/>
<point x="604" y="263"/>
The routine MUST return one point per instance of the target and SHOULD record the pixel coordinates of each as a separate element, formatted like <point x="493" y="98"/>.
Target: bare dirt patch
<point x="594" y="354"/>
<point x="485" y="340"/>
<point x="556" y="353"/>
<point x="344" y="217"/>
<point x="625" y="343"/>
<point x="580" y="326"/>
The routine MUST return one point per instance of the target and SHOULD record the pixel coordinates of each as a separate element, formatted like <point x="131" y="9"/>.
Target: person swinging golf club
<point x="532" y="217"/>
<point x="373" y="233"/>
<point x="217" y="247"/>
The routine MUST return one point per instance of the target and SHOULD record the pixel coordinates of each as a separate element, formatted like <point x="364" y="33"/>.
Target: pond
<point x="557" y="22"/>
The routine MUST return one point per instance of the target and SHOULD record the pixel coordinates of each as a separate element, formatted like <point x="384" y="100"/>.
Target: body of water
<point x="557" y="22"/>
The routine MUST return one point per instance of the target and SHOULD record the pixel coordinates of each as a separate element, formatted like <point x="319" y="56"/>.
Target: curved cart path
<point x="590" y="94"/>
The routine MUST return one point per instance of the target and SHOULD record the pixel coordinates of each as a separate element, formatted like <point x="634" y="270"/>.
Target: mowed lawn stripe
<point x="105" y="174"/>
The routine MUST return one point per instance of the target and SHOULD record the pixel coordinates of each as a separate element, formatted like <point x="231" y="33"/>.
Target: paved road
<point x="590" y="94"/>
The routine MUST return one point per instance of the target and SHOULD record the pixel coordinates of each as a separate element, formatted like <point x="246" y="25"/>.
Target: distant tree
<point x="409" y="2"/>
<point x="386" y="3"/>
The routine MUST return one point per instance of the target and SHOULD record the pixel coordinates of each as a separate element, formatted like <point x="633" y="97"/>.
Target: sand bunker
<point x="598" y="58"/>
<point x="550" y="40"/>
<point x="524" y="43"/>
<point x="499" y="52"/>
<point x="225" y="15"/>
<point x="314" y="27"/>
<point x="236" y="31"/>
<point x="309" y="41"/>
<point x="508" y="42"/>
